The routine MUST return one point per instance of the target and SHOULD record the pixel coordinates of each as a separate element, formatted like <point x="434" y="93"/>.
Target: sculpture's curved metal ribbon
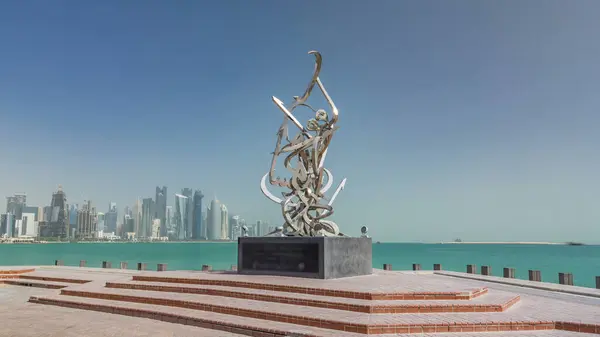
<point x="301" y="207"/>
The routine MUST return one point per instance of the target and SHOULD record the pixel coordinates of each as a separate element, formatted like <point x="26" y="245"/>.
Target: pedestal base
<point x="308" y="257"/>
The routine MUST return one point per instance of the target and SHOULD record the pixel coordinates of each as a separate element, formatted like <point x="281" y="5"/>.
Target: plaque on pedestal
<point x="309" y="257"/>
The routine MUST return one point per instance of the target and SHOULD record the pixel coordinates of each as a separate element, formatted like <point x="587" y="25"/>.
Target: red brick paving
<point x="180" y="301"/>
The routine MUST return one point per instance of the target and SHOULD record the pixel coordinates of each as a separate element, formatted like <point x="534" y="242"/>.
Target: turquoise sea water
<point x="582" y="261"/>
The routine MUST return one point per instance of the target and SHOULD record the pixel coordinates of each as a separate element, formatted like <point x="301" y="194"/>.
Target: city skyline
<point x="85" y="221"/>
<point x="464" y="119"/>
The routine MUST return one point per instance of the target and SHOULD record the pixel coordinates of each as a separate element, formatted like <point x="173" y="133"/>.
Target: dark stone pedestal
<point x="308" y="257"/>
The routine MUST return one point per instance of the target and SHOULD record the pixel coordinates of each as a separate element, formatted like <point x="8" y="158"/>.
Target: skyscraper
<point x="160" y="204"/>
<point x="197" y="230"/>
<point x="101" y="224"/>
<point x="57" y="224"/>
<point x="189" y="217"/>
<point x="205" y="224"/>
<point x="234" y="227"/>
<point x="87" y="221"/>
<point x="136" y="215"/>
<point x="155" y="233"/>
<point x="15" y="204"/>
<point x="224" y="222"/>
<point x="169" y="217"/>
<point x="127" y="226"/>
<point x="127" y="211"/>
<point x="7" y="224"/>
<point x="259" y="228"/>
<point x="181" y="202"/>
<point x="110" y="218"/>
<point x="72" y="216"/>
<point x="147" y="217"/>
<point x="47" y="210"/>
<point x="213" y="228"/>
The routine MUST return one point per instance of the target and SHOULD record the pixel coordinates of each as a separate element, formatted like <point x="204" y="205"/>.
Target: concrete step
<point x="210" y="320"/>
<point x="372" y="287"/>
<point x="35" y="283"/>
<point x="311" y="316"/>
<point x="259" y="327"/>
<point x="5" y="271"/>
<point x="497" y="302"/>
<point x="52" y="279"/>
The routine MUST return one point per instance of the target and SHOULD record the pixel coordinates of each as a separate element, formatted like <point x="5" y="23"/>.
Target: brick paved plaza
<point x="72" y="301"/>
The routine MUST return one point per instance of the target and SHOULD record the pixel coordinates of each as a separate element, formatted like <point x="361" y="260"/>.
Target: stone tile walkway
<point x="23" y="319"/>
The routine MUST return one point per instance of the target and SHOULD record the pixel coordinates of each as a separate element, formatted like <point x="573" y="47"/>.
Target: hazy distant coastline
<point x="502" y="243"/>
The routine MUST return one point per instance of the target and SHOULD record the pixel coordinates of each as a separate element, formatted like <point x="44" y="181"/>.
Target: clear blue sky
<point x="471" y="119"/>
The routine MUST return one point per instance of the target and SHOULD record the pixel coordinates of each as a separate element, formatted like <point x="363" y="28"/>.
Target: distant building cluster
<point x="148" y="220"/>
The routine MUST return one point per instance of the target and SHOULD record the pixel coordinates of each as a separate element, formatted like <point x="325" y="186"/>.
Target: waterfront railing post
<point x="535" y="275"/>
<point x="82" y="263"/>
<point x="509" y="272"/>
<point x="106" y="264"/>
<point x="123" y="265"/>
<point x="387" y="266"/>
<point x="59" y="263"/>
<point x="416" y="266"/>
<point x="161" y="267"/>
<point x="437" y="266"/>
<point x="565" y="278"/>
<point x="471" y="269"/>
<point x="141" y="266"/>
<point x="486" y="270"/>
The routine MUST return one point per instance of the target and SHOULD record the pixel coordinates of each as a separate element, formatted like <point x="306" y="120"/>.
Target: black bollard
<point x="59" y="263"/>
<point x="486" y="270"/>
<point x="471" y="269"/>
<point x="161" y="267"/>
<point x="141" y="266"/>
<point x="437" y="266"/>
<point x="416" y="266"/>
<point x="106" y="264"/>
<point x="509" y="272"/>
<point x="565" y="278"/>
<point x="387" y="266"/>
<point x="535" y="275"/>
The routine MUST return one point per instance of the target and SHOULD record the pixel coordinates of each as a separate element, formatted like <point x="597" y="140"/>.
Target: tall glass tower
<point x="189" y="217"/>
<point x="58" y="223"/>
<point x="161" y="208"/>
<point x="180" y="214"/>
<point x="197" y="230"/>
<point x="110" y="218"/>
<point x="213" y="229"/>
<point x="147" y="217"/>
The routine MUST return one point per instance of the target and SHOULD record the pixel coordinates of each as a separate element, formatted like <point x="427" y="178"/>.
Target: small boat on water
<point x="574" y="243"/>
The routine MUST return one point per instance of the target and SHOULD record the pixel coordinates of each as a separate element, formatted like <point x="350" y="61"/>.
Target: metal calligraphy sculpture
<point x="303" y="212"/>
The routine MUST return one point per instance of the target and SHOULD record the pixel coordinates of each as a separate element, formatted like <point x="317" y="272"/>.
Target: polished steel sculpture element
<point x="303" y="212"/>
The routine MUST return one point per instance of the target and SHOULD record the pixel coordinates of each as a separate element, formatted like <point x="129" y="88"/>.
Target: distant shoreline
<point x="501" y="243"/>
